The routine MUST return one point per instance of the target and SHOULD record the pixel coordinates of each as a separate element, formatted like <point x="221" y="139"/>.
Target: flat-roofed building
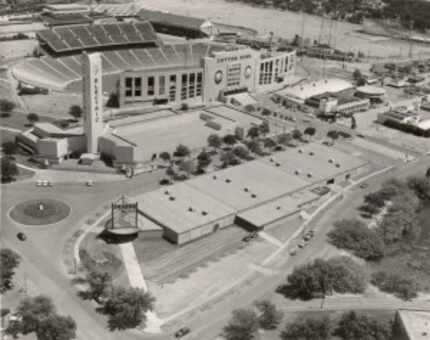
<point x="185" y="213"/>
<point x="412" y="325"/>
<point x="248" y="185"/>
<point x="316" y="164"/>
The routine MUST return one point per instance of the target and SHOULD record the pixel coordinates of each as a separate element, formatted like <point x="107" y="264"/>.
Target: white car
<point x="39" y="183"/>
<point x="45" y="183"/>
<point x="89" y="183"/>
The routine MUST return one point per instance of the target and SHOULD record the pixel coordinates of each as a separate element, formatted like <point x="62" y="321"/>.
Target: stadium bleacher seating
<point x="67" y="39"/>
<point x="57" y="73"/>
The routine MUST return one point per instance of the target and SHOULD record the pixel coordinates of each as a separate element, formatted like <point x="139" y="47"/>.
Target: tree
<point x="340" y="274"/>
<point x="296" y="134"/>
<point x="6" y="107"/>
<point x="75" y="111"/>
<point x="9" y="261"/>
<point x="405" y="288"/>
<point x="165" y="156"/>
<point x="333" y="135"/>
<point x="420" y="186"/>
<point x="285" y="138"/>
<point x="269" y="143"/>
<point x="307" y="329"/>
<point x="182" y="151"/>
<point x="9" y="148"/>
<point x="357" y="74"/>
<point x="269" y="316"/>
<point x="9" y="170"/>
<point x="353" y="326"/>
<point x="253" y="132"/>
<point x="254" y="146"/>
<point x="214" y="141"/>
<point x="310" y="131"/>
<point x="113" y="100"/>
<point x="264" y="128"/>
<point x="242" y="326"/>
<point x="184" y="106"/>
<point x="98" y="283"/>
<point x="204" y="159"/>
<point x="33" y="118"/>
<point x="56" y="327"/>
<point x="428" y="174"/>
<point x="354" y="235"/>
<point x="38" y="314"/>
<point x="241" y="152"/>
<point x="126" y="307"/>
<point x="188" y="166"/>
<point x="230" y="139"/>
<point x="228" y="158"/>
<point x="353" y="123"/>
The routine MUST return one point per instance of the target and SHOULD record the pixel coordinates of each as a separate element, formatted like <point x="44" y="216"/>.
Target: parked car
<point x="181" y="332"/>
<point x="293" y="252"/>
<point x="39" y="183"/>
<point x="21" y="236"/>
<point x="301" y="245"/>
<point x="89" y="183"/>
<point x="364" y="185"/>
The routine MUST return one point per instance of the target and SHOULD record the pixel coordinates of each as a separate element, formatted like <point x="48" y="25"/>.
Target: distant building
<point x="66" y="9"/>
<point x="412" y="325"/>
<point x="373" y="93"/>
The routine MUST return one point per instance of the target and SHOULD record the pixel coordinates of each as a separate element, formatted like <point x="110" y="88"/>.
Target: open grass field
<point x="17" y="48"/>
<point x="55" y="105"/>
<point x="39" y="212"/>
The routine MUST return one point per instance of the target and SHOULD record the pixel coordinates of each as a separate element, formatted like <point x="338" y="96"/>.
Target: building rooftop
<point x="171" y="19"/>
<point x="277" y="209"/>
<point x="416" y="324"/>
<point x="181" y="207"/>
<point x="313" y="162"/>
<point x="247" y="185"/>
<point x="52" y="129"/>
<point x="315" y="88"/>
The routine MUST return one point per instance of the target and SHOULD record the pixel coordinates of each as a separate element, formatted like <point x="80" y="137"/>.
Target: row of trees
<point x="351" y="325"/>
<point x="9" y="261"/>
<point x="38" y="315"/>
<point x="9" y="169"/>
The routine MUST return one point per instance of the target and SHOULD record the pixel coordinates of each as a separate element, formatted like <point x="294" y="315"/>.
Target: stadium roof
<point x="80" y="37"/>
<point x="313" y="162"/>
<point x="171" y="19"/>
<point x="314" y="88"/>
<point x="416" y="323"/>
<point x="247" y="185"/>
<point x="181" y="207"/>
<point x="119" y="10"/>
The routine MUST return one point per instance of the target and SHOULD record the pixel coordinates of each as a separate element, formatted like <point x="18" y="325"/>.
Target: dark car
<point x="181" y="332"/>
<point x="21" y="236"/>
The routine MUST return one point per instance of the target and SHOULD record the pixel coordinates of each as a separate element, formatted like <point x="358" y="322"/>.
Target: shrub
<point x="181" y="151"/>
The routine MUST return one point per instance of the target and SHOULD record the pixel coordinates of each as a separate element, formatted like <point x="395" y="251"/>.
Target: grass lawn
<point x="40" y="212"/>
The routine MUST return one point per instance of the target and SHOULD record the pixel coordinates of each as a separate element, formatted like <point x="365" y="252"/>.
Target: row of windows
<point x="270" y="70"/>
<point x="191" y="86"/>
<point x="233" y="75"/>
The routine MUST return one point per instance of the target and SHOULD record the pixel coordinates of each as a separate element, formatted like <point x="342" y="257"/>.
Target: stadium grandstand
<point x="73" y="39"/>
<point x="58" y="73"/>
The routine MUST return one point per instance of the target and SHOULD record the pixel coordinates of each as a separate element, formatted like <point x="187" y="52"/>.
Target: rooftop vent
<point x="309" y="175"/>
<point x="204" y="213"/>
<point x="190" y="209"/>
<point x="254" y="196"/>
<point x="246" y="189"/>
<point x="337" y="165"/>
<point x="172" y="198"/>
<point x="278" y="164"/>
<point x="311" y="153"/>
<point x="228" y="180"/>
<point x="331" y="160"/>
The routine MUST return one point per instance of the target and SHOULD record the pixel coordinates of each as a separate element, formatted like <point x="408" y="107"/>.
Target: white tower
<point x="92" y="97"/>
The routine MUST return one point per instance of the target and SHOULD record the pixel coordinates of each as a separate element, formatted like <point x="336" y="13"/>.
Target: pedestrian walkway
<point x="135" y="276"/>
<point x="270" y="238"/>
<point x="132" y="266"/>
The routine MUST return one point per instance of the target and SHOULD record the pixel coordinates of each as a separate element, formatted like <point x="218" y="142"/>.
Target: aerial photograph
<point x="215" y="169"/>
